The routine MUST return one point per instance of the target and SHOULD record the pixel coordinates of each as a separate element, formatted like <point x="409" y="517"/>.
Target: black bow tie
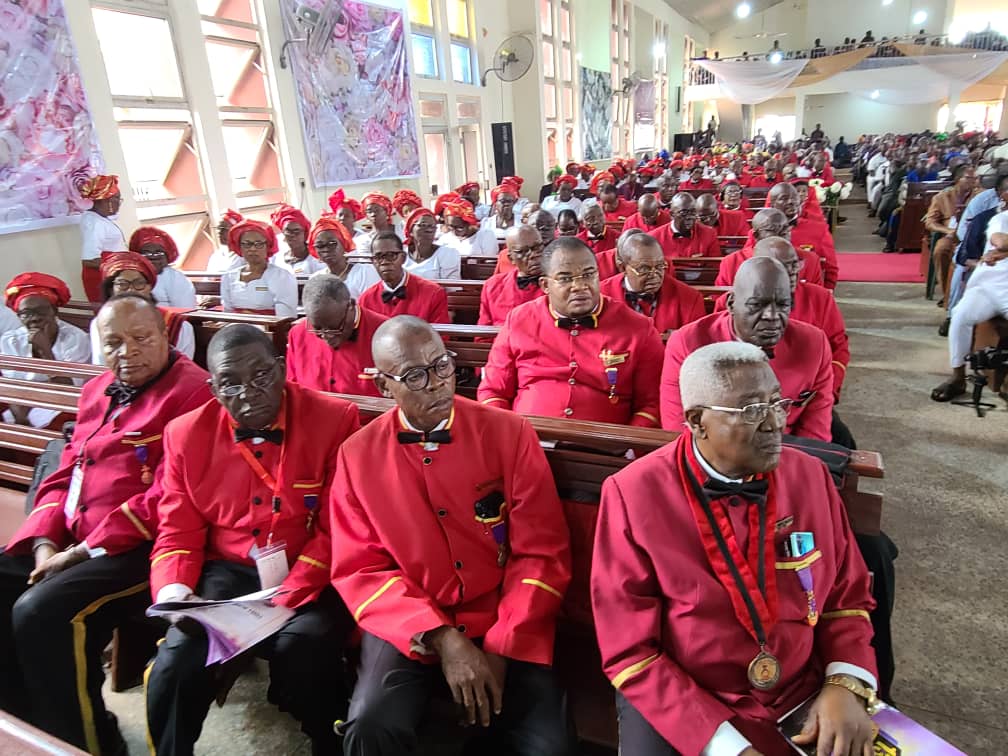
<point x="416" y="437"/>
<point x="752" y="490"/>
<point x="387" y="296"/>
<point x="587" y="321"/>
<point x="678" y="235"/>
<point x="525" y="281"/>
<point x="274" y="436"/>
<point x="794" y="222"/>
<point x="633" y="297"/>
<point x="121" y="393"/>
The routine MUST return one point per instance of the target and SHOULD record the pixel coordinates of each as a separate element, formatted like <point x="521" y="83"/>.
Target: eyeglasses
<point x="685" y="213"/>
<point x="387" y="256"/>
<point x="754" y="414"/>
<point x="155" y="253"/>
<point x="139" y="284"/>
<point x="657" y="270"/>
<point x="565" y="280"/>
<point x="425" y="227"/>
<point x="261" y="381"/>
<point x="418" y="378"/>
<point x="522" y="253"/>
<point x="329" y="333"/>
<point x="34" y="312"/>
<point x="794" y="266"/>
<point x="326" y="246"/>
<point x="256" y="245"/>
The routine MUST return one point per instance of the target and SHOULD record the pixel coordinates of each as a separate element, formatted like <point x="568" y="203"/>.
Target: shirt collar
<point x="594" y="313"/>
<point x="398" y="285"/>
<point x="445" y="424"/>
<point x="711" y="472"/>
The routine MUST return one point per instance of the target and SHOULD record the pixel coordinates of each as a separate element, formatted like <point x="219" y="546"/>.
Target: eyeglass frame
<point x="452" y="356"/>
<point x="117" y="284"/>
<point x="258" y="246"/>
<point x="325" y="333"/>
<point x="766" y="408"/>
<point x="523" y="253"/>
<point x="259" y="382"/>
<point x="587" y="277"/>
<point x="660" y="269"/>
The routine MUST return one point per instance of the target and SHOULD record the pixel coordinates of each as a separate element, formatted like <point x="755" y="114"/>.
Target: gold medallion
<point x="764" y="671"/>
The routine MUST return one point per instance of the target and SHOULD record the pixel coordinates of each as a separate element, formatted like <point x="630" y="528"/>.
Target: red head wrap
<point x="100" y="187"/>
<point x="517" y="181"/>
<point x="239" y="229"/>
<point x="571" y="181"/>
<point x="329" y="223"/>
<point x="604" y="177"/>
<point x="422" y="212"/>
<point x="287" y="214"/>
<point x="587" y="167"/>
<point x="505" y="188"/>
<point x="616" y="171"/>
<point x="646" y="172"/>
<point x="231" y="217"/>
<point x="466" y="187"/>
<point x="461" y="210"/>
<point x="405" y="197"/>
<point x="114" y="263"/>
<point x="573" y="165"/>
<point x="36" y="285"/>
<point x="339" y="200"/>
<point x="150" y="235"/>
<point x="676" y="164"/>
<point x="377" y="198"/>
<point x="444" y="199"/>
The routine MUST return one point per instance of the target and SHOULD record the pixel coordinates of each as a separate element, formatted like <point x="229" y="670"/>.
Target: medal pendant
<point x="146" y="476"/>
<point x="764" y="671"/>
<point x="813" y="610"/>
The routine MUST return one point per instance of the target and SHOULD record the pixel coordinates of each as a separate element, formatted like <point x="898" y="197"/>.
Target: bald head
<point x="520" y="236"/>
<point x="770" y="222"/>
<point x="398" y="336"/>
<point x="133" y="337"/>
<point x="648" y="208"/>
<point x="525" y="246"/>
<point x="784" y="197"/>
<point x="783" y="252"/>
<point x="707" y="209"/>
<point x="683" y="209"/>
<point x="760" y="301"/>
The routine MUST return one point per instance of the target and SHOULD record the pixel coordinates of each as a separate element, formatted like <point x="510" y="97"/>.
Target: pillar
<point x="953" y="103"/>
<point x="799" y="114"/>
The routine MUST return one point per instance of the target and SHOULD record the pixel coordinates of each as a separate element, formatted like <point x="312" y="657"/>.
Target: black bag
<point x="47" y="463"/>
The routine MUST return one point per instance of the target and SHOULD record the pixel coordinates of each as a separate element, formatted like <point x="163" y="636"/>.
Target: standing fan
<point x="512" y="60"/>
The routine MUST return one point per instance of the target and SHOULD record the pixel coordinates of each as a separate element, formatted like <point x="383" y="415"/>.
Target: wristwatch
<point x="859" y="689"/>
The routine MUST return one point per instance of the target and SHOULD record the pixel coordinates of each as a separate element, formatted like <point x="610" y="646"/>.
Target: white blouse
<point x="490" y="224"/>
<point x="446" y="262"/>
<point x="72" y="345"/>
<point x="276" y="290"/>
<point x="483" y="243"/>
<point x="358" y="279"/>
<point x="553" y="205"/>
<point x="302" y="268"/>
<point x="173" y="289"/>
<point x="99" y="235"/>
<point x="223" y="259"/>
<point x="186" y="343"/>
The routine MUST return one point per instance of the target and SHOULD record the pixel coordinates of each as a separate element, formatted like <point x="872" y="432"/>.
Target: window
<point x="620" y="52"/>
<point x="421" y="13"/>
<point x="458" y="18"/>
<point x="436" y="144"/>
<point x="461" y="57"/>
<point x="425" y="56"/>
<point x="661" y="85"/>
<point x="559" y="102"/>
<point x="232" y="10"/>
<point x="127" y="38"/>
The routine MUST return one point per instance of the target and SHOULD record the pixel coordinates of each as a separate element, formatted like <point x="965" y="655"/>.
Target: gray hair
<point x="586" y="206"/>
<point x="624" y="237"/>
<point x="321" y="288"/>
<point x="702" y="377"/>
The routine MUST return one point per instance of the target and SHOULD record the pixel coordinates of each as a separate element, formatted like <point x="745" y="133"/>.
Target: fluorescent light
<point x="658" y="50"/>
<point x="743" y="10"/>
<point x="887" y="2"/>
<point x="776" y="57"/>
<point x="875" y="94"/>
<point x="919" y="17"/>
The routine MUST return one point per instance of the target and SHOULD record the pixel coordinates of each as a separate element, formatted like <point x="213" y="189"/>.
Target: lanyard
<point x="274" y="483"/>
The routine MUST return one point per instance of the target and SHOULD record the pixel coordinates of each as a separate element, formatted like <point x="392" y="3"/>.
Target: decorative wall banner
<point x="596" y="114"/>
<point x="355" y="98"/>
<point x="48" y="144"/>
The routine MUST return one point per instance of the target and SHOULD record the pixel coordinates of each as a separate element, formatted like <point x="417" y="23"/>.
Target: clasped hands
<point x="475" y="677"/>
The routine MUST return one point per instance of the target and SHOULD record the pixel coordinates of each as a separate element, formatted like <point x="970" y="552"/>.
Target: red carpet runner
<point x="875" y="267"/>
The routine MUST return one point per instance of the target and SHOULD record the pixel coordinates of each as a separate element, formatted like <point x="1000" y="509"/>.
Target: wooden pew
<point x="918" y="199"/>
<point x="478" y="268"/>
<point x="696" y="271"/>
<point x="463" y="299"/>
<point x="207" y="322"/>
<point x="208" y="284"/>
<point x="731" y="244"/>
<point x="18" y="738"/>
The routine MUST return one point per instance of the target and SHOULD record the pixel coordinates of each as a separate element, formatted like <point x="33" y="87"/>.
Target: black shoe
<point x="941" y="302"/>
<point x="888" y="251"/>
<point x="943" y="329"/>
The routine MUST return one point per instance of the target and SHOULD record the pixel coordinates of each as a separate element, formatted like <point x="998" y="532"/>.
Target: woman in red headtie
<point x="378" y="209"/>
<point x="172" y="289"/>
<point x="36" y="298"/>
<point x="405" y="201"/>
<point x="466" y="235"/>
<point x="223" y="258"/>
<point x="294" y="226"/>
<point x="348" y="211"/>
<point x="330" y="241"/>
<point x="504" y="198"/>
<point x="98" y="229"/>
<point x="564" y="198"/>
<point x="732" y="198"/>
<point x="470" y="192"/>
<point x="133" y="273"/>
<point x="424" y="257"/>
<point x="258" y="286"/>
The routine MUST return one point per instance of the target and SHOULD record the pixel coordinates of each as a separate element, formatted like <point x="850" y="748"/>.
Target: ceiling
<point x="715" y="15"/>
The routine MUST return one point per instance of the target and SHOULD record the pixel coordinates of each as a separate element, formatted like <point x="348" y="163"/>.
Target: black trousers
<point x="880" y="553"/>
<point x="51" y="640"/>
<point x="392" y="693"/>
<point x="636" y="735"/>
<point x="307" y="674"/>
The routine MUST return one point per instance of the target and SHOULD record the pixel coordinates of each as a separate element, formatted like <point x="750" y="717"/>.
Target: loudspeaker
<point x="682" y="142"/>
<point x="503" y="147"/>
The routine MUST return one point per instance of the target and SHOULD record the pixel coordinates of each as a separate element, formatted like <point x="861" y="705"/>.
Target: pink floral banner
<point x="47" y="140"/>
<point x="355" y="97"/>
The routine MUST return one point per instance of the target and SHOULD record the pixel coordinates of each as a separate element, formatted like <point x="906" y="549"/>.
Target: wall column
<point x="953" y="103"/>
<point x="1003" y="127"/>
<point x="799" y="114"/>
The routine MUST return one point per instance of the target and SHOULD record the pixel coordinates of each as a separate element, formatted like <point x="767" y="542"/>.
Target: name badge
<point x="262" y="288"/>
<point x="271" y="564"/>
<point x="73" y="492"/>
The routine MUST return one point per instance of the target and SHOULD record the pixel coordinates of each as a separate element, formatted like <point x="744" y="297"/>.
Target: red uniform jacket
<point x="501" y="294"/>
<point x="623" y="210"/>
<point x="424" y="299"/>
<point x="537" y="368"/>
<point x="732" y="223"/>
<point x="825" y="175"/>
<point x="701" y="184"/>
<point x="116" y="507"/>
<point x="677" y="303"/>
<point x="812" y="238"/>
<point x="802" y="362"/>
<point x="702" y="241"/>
<point x="759" y="181"/>
<point x="605" y="242"/>
<point x="816" y="306"/>
<point x="670" y="640"/>
<point x="811" y="272"/>
<point x="409" y="554"/>
<point x="607" y="264"/>
<point x="314" y="364"/>
<point x="637" y="221"/>
<point x="216" y="506"/>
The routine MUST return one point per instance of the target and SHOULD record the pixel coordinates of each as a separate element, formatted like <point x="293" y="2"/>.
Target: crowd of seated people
<point x="600" y="321"/>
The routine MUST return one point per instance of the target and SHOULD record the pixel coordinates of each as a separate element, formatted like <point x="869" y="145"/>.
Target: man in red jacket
<point x="647" y="284"/>
<point x="79" y="564"/>
<point x="724" y="222"/>
<point x="696" y="180"/>
<point x="766" y="224"/>
<point x="683" y="236"/>
<point x="597" y="235"/>
<point x="767" y="178"/>
<point x="575" y="353"/>
<point x="649" y="215"/>
<point x="329" y="348"/>
<point x="710" y="629"/>
<point x="266" y="454"/>
<point x="758" y="313"/>
<point x="454" y="563"/>
<point x="502" y="292"/>
<point x="807" y="235"/>
<point x="399" y="293"/>
<point x="616" y="209"/>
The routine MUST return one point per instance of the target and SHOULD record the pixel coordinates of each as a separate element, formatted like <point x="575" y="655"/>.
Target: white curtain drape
<point x="753" y="81"/>
<point x="962" y="69"/>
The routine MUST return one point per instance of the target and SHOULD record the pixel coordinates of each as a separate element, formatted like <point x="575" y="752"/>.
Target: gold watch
<point x="859" y="689"/>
